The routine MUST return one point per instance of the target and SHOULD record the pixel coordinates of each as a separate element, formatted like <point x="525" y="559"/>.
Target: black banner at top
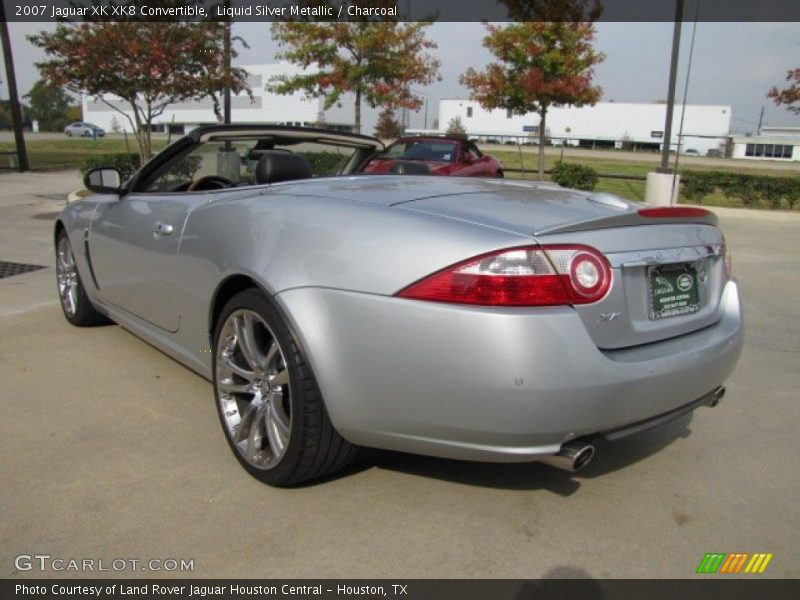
<point x="400" y="10"/>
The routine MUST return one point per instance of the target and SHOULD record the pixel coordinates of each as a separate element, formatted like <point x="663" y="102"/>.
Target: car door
<point x="134" y="246"/>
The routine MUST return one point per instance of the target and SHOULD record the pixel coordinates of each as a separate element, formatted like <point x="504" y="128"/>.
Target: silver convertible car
<point x="477" y="319"/>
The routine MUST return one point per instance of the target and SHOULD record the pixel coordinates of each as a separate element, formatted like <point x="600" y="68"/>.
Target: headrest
<point x="409" y="168"/>
<point x="275" y="166"/>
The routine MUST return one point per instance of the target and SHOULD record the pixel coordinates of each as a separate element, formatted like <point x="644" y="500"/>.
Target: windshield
<point x="435" y="150"/>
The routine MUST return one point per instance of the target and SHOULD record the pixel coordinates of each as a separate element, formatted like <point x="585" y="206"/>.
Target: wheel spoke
<point x="272" y="352"/>
<point x="246" y="337"/>
<point x="247" y="422"/>
<point x="277" y="432"/>
<point x="276" y="399"/>
<point x="227" y="361"/>
<point x="228" y="386"/>
<point x="281" y="378"/>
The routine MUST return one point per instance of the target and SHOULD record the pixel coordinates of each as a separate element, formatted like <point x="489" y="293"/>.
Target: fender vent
<point x="9" y="269"/>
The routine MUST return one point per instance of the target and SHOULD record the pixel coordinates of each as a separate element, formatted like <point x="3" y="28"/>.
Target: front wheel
<point x="77" y="307"/>
<point x="268" y="400"/>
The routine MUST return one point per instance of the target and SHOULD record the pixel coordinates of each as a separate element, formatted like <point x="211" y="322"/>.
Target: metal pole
<point x="760" y="121"/>
<point x="16" y="111"/>
<point x="227" y="58"/>
<point x="673" y="72"/>
<point x="426" y="113"/>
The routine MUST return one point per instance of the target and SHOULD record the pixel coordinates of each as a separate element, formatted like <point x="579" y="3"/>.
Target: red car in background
<point x="441" y="155"/>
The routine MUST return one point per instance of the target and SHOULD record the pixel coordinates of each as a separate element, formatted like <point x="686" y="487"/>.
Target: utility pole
<point x="760" y="121"/>
<point x="226" y="50"/>
<point x="673" y="73"/>
<point x="16" y="111"/>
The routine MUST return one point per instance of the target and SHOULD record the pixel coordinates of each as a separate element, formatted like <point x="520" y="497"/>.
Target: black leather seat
<point x="275" y="166"/>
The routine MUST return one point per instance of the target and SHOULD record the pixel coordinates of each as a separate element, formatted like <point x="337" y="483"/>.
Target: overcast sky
<point x="734" y="64"/>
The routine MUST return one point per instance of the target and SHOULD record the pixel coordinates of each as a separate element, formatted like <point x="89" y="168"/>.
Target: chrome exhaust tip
<point x="716" y="396"/>
<point x="572" y="457"/>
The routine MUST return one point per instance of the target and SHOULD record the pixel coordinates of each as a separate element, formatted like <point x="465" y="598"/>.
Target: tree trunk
<point x="542" y="124"/>
<point x="138" y="132"/>
<point x="358" y="111"/>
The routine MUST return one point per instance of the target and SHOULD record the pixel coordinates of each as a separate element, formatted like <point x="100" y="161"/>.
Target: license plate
<point x="673" y="291"/>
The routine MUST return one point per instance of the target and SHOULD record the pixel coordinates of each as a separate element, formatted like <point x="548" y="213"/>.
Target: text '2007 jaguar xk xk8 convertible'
<point x="468" y="318"/>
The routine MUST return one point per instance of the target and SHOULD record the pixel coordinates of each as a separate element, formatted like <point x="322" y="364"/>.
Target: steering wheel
<point x="218" y="180"/>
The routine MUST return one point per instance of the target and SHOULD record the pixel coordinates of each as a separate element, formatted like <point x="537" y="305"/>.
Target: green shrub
<point x="752" y="190"/>
<point x="126" y="164"/>
<point x="326" y="163"/>
<point x="579" y="177"/>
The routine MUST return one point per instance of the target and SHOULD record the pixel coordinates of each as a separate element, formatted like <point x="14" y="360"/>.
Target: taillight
<point x="527" y="276"/>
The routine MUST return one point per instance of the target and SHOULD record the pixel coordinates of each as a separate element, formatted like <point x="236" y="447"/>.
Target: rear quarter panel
<point x="285" y="240"/>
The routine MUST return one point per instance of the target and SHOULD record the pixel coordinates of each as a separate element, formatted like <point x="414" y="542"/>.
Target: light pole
<point x="13" y="98"/>
<point x="673" y="73"/>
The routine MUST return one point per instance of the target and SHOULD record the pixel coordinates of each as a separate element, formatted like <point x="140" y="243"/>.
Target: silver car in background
<point x="84" y="130"/>
<point x="478" y="319"/>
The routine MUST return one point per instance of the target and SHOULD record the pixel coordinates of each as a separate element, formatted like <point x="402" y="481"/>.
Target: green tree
<point x="148" y="65"/>
<point x="456" y="127"/>
<point x="790" y="95"/>
<point x="49" y="105"/>
<point x="387" y="126"/>
<point x="377" y="61"/>
<point x="538" y="65"/>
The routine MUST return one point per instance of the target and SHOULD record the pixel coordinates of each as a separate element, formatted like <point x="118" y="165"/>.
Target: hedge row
<point x="126" y="164"/>
<point x="753" y="190"/>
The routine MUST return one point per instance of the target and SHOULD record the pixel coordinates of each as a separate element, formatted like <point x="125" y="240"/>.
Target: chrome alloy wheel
<point x="253" y="389"/>
<point x="67" y="276"/>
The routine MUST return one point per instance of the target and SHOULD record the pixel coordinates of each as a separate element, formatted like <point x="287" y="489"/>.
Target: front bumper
<point x="494" y="384"/>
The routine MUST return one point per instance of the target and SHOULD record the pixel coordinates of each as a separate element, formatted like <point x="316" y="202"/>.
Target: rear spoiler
<point x="655" y="215"/>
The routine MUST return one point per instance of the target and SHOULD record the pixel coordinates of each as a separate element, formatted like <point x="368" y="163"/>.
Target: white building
<point x="613" y="124"/>
<point x="774" y="143"/>
<point x="182" y="117"/>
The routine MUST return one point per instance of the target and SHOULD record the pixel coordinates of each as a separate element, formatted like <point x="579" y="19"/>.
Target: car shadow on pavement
<point x="611" y="456"/>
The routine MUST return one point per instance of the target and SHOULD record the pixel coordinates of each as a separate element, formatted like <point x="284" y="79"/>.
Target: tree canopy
<point x="148" y="65"/>
<point x="376" y="61"/>
<point x="49" y="104"/>
<point x="790" y="95"/>
<point x="538" y="65"/>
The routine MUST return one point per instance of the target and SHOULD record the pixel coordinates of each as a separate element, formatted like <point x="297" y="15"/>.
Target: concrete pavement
<point x="113" y="450"/>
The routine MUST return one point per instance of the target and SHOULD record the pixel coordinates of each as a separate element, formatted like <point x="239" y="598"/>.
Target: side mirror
<point x="466" y="159"/>
<point x="103" y="180"/>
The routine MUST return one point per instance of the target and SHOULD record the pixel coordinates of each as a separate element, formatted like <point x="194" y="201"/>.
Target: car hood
<point x="525" y="208"/>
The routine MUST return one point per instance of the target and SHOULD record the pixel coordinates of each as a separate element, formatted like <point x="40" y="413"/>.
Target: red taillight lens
<point x="528" y="276"/>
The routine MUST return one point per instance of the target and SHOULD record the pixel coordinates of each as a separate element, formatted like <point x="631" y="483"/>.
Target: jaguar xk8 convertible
<point x="477" y="319"/>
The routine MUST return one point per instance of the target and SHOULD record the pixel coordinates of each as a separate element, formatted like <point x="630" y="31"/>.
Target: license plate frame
<point x="672" y="291"/>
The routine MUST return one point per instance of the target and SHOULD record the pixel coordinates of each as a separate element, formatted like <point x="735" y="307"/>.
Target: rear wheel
<point x="499" y="174"/>
<point x="268" y="400"/>
<point x="77" y="307"/>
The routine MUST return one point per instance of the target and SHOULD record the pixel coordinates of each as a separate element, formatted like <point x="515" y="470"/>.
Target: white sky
<point x="734" y="63"/>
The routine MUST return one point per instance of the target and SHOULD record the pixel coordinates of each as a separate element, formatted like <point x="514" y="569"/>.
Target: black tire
<point x="78" y="310"/>
<point x="500" y="174"/>
<point x="314" y="447"/>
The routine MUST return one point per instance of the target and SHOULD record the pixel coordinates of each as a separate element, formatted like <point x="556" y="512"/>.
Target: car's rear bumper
<point x="495" y="384"/>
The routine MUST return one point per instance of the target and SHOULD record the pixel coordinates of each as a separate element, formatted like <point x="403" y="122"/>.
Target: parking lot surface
<point x="113" y="450"/>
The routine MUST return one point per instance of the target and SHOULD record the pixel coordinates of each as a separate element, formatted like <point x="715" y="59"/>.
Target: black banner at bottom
<point x="711" y="588"/>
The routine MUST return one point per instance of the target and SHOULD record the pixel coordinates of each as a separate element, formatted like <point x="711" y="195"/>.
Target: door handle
<point x="163" y="228"/>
